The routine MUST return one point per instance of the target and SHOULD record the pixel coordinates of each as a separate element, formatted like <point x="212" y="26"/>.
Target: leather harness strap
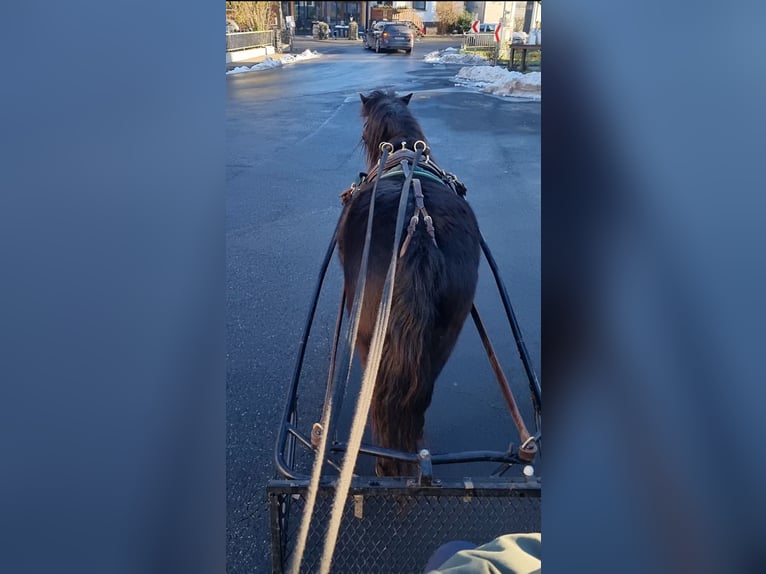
<point x="409" y="163"/>
<point x="415" y="219"/>
<point x="425" y="167"/>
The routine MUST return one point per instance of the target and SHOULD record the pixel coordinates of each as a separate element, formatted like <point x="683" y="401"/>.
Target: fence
<point x="481" y="43"/>
<point x="394" y="527"/>
<point x="409" y="15"/>
<point x="244" y="40"/>
<point x="485" y="45"/>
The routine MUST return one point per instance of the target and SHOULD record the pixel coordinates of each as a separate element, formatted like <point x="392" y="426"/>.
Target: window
<point x="419" y="5"/>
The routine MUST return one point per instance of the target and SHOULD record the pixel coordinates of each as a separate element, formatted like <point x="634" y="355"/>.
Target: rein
<point x="351" y="336"/>
<point x="368" y="381"/>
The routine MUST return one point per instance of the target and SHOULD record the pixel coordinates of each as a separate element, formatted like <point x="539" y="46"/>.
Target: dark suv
<point x="390" y="36"/>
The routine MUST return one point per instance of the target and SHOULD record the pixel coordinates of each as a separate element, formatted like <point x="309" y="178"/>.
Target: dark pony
<point x="434" y="287"/>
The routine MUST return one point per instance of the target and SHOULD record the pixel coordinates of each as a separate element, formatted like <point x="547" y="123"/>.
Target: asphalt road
<point x="293" y="144"/>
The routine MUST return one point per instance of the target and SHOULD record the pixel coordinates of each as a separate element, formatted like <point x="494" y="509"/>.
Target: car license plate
<point x="401" y="38"/>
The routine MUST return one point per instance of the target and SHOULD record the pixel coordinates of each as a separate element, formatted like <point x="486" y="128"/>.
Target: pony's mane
<point x="388" y="119"/>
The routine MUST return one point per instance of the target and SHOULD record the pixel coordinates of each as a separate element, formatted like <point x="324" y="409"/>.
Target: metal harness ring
<point x="526" y="442"/>
<point x="422" y="143"/>
<point x="384" y="145"/>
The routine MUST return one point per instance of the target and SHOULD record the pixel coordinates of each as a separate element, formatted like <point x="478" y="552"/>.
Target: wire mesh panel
<point x="244" y="40"/>
<point x="483" y="44"/>
<point x="479" y="41"/>
<point x="396" y="528"/>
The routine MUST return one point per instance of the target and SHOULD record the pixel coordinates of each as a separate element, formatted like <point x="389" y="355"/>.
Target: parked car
<point x="485" y="28"/>
<point x="231" y="26"/>
<point x="519" y="38"/>
<point x="390" y="36"/>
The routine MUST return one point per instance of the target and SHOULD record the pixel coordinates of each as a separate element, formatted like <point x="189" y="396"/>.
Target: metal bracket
<point x="316" y="434"/>
<point x="528" y="449"/>
<point x="468" y="488"/>
<point x="425" y="468"/>
<point x="358" y="506"/>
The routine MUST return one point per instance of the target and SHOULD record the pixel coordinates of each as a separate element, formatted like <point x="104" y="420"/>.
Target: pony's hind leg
<point x="398" y="412"/>
<point x="410" y="427"/>
<point x="407" y="377"/>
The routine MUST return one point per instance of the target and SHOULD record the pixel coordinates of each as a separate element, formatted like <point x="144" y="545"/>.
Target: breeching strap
<point x="528" y="448"/>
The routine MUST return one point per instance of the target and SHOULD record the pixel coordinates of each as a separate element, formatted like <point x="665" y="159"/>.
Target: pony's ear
<point x="406" y="99"/>
<point x="364" y="100"/>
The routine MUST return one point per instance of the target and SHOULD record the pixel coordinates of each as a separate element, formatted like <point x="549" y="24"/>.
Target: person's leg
<point x="445" y="552"/>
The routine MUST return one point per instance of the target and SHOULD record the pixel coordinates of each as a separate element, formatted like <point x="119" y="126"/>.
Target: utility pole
<point x="513" y="17"/>
<point x="528" y="14"/>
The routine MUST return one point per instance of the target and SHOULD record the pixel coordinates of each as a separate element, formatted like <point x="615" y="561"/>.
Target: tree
<point x="447" y="13"/>
<point x="254" y="15"/>
<point x="463" y="22"/>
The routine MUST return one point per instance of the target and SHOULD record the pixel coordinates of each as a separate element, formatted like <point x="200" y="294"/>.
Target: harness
<point x="426" y="167"/>
<point x="412" y="166"/>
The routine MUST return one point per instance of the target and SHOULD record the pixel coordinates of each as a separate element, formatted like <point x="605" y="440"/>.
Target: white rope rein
<point x="311" y="496"/>
<point x="360" y="416"/>
<point x="367" y="388"/>
<point x="355" y="438"/>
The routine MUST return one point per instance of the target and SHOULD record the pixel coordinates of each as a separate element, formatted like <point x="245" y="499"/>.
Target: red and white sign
<point x="497" y="32"/>
<point x="475" y="27"/>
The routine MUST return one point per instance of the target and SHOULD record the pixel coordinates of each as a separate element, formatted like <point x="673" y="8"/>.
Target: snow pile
<point x="452" y="56"/>
<point x="305" y="55"/>
<point x="270" y="63"/>
<point x="267" y="64"/>
<point x="502" y="82"/>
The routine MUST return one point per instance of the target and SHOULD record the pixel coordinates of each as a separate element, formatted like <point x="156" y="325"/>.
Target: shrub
<point x="463" y="22"/>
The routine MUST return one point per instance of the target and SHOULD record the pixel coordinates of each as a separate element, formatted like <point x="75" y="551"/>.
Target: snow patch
<point x="502" y="82"/>
<point x="451" y="56"/>
<point x="305" y="55"/>
<point x="278" y="62"/>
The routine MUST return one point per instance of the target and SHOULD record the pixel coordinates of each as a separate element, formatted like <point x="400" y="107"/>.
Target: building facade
<point x="424" y="11"/>
<point x="519" y="16"/>
<point x="305" y="13"/>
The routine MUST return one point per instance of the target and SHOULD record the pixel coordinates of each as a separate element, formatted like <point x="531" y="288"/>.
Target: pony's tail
<point x="406" y="377"/>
